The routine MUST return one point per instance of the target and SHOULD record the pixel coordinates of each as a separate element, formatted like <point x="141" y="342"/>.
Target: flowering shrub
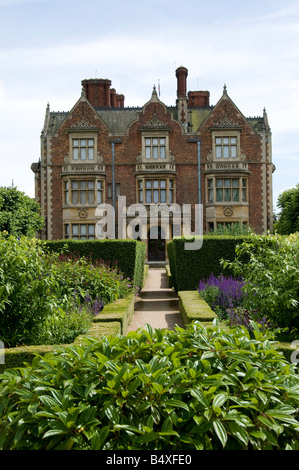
<point x="240" y="316"/>
<point x="226" y="297"/>
<point x="222" y="293"/>
<point x="269" y="266"/>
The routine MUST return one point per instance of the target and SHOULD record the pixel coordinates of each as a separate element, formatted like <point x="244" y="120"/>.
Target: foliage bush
<point x="19" y="213"/>
<point x="226" y="297"/>
<point x="271" y="274"/>
<point x="195" y="388"/>
<point x="288" y="218"/>
<point x="48" y="300"/>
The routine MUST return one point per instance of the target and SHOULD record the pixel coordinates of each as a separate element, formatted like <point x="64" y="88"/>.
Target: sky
<point x="47" y="47"/>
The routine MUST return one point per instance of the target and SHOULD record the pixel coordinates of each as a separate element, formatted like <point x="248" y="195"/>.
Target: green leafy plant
<point x="19" y="213"/>
<point x="198" y="388"/>
<point x="270" y="269"/>
<point x="48" y="300"/>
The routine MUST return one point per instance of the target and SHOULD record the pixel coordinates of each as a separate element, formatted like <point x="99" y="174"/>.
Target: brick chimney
<point x="198" y="98"/>
<point x="181" y="74"/>
<point x="100" y="95"/>
<point x="182" y="101"/>
<point x="97" y="91"/>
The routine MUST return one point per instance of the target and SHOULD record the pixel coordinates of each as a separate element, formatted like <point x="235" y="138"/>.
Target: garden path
<point x="157" y="304"/>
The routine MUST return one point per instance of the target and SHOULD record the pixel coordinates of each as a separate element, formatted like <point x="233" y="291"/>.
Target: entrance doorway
<point x="156" y="244"/>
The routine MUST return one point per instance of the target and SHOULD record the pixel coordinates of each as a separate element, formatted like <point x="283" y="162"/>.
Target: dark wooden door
<point x="156" y="245"/>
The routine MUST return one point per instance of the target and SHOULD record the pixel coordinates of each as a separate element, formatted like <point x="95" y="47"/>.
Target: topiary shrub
<point x="197" y="388"/>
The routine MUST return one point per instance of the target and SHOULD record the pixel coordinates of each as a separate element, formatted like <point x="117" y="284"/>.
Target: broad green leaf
<point x="54" y="432"/>
<point x="220" y="431"/>
<point x="285" y="417"/>
<point x="239" y="432"/>
<point x="112" y="414"/>
<point x="155" y="414"/>
<point x="158" y="388"/>
<point x="251" y="372"/>
<point x="200" y="396"/>
<point x="177" y="404"/>
<point x="219" y="400"/>
<point x="167" y="424"/>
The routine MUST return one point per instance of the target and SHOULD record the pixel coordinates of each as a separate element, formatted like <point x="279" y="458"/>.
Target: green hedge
<point x="188" y="267"/>
<point x="129" y="254"/>
<point x="193" y="308"/>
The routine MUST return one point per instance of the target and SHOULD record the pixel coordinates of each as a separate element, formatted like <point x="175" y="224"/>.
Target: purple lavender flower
<point x="230" y="291"/>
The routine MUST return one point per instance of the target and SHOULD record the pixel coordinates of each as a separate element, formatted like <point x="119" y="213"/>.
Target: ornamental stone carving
<point x="83" y="213"/>
<point x="155" y="122"/>
<point x="83" y="124"/>
<point x="67" y="158"/>
<point x="228" y="211"/>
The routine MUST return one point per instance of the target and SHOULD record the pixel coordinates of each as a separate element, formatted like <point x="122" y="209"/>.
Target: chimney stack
<point x="198" y="98"/>
<point x="181" y="74"/>
<point x="182" y="101"/>
<point x="99" y="94"/>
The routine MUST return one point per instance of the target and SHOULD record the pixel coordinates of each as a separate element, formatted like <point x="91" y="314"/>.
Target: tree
<point x="288" y="218"/>
<point x="19" y="214"/>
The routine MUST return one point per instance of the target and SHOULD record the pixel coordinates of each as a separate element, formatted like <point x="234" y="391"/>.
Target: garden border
<point x="112" y="320"/>
<point x="193" y="308"/>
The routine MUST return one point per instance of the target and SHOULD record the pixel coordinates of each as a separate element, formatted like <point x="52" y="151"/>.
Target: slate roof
<point x="118" y="119"/>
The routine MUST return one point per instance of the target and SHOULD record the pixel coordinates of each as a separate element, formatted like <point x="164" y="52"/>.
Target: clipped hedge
<point x="188" y="267"/>
<point x="192" y="308"/>
<point x="121" y="310"/>
<point x="128" y="255"/>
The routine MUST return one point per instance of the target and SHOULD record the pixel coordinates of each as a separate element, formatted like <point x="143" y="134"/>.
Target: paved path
<point x="157" y="304"/>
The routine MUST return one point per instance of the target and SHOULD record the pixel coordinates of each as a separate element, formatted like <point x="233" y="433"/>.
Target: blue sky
<point x="48" y="46"/>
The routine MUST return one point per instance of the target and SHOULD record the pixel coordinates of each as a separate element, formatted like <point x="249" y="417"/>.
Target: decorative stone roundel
<point x="83" y="213"/>
<point x="228" y="211"/>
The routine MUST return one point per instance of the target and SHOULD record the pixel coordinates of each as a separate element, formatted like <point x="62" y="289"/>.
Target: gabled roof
<point x="118" y="120"/>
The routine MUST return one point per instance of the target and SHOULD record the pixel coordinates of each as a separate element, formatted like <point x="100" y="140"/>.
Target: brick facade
<point x="101" y="150"/>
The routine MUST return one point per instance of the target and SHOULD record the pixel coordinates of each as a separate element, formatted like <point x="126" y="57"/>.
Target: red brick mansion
<point x="191" y="153"/>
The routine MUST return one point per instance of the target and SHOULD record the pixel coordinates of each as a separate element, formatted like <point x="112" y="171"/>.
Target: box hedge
<point x="127" y="255"/>
<point x="188" y="267"/>
<point x="193" y="308"/>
